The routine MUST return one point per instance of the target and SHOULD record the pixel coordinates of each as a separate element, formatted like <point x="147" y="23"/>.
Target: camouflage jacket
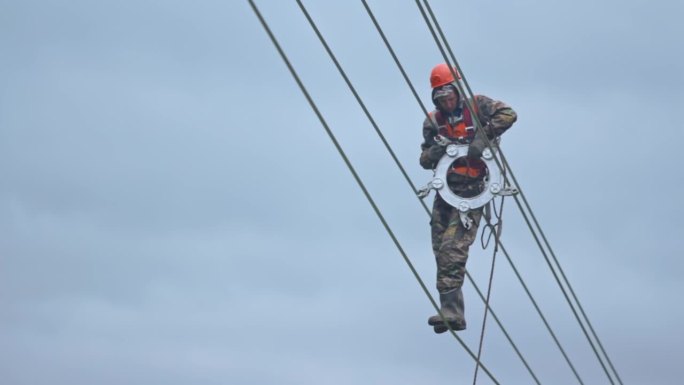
<point x="498" y="115"/>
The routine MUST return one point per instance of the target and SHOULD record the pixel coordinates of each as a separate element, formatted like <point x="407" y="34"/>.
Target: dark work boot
<point x="452" y="309"/>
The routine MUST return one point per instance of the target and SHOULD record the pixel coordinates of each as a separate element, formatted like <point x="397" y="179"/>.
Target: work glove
<point x="435" y="152"/>
<point x="476" y="147"/>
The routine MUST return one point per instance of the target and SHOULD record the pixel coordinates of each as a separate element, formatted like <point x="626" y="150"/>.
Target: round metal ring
<point x="493" y="182"/>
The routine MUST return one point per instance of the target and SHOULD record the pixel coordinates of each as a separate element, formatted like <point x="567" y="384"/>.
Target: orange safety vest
<point x="462" y="132"/>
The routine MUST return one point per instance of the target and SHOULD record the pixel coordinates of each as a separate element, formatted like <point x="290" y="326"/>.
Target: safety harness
<point x="460" y="129"/>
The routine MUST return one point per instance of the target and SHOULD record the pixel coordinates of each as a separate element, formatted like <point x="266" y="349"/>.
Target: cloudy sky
<point x="172" y="212"/>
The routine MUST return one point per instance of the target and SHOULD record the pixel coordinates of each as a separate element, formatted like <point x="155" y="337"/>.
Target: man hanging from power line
<point x="451" y="122"/>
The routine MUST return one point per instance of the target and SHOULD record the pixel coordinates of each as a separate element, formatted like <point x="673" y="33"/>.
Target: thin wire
<point x="394" y="157"/>
<point x="491" y="228"/>
<point x="529" y="208"/>
<point x="358" y="179"/>
<point x="565" y="294"/>
<point x="541" y="315"/>
<point x="496" y="230"/>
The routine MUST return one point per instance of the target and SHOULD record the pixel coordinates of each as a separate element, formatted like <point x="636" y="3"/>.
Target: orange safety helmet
<point x="441" y="75"/>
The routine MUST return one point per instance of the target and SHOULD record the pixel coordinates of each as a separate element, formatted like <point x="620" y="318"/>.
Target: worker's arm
<point x="431" y="152"/>
<point x="497" y="116"/>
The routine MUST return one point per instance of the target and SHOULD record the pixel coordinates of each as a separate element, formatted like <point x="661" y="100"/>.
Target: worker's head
<point x="446" y="97"/>
<point x="444" y="91"/>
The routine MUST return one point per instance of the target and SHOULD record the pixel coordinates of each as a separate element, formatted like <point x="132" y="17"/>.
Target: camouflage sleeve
<point x="429" y="133"/>
<point x="498" y="114"/>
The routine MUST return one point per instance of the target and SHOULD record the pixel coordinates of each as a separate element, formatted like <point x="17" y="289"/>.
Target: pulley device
<point x="494" y="183"/>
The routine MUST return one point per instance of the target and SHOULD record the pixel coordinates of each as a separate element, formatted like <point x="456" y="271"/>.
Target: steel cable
<point x="510" y="261"/>
<point x="358" y="179"/>
<point x="520" y="206"/>
<point x="565" y="278"/>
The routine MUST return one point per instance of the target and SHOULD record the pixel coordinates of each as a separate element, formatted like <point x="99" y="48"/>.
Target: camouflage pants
<point x="450" y="243"/>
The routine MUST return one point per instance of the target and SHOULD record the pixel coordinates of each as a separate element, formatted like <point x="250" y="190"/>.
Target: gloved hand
<point x="435" y="152"/>
<point x="476" y="147"/>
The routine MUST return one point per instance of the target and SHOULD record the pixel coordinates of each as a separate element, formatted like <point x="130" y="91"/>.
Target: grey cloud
<point x="172" y="211"/>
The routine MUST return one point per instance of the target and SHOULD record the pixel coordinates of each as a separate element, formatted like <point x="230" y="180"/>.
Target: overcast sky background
<point x="172" y="212"/>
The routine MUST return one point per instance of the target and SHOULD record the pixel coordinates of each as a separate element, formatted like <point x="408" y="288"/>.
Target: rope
<point x="496" y="230"/>
<point x="358" y="179"/>
<point x="489" y="226"/>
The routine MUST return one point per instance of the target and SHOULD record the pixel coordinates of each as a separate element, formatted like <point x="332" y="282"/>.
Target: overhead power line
<point x="378" y="131"/>
<point x="434" y="19"/>
<point x="510" y="261"/>
<point x="388" y="229"/>
<point x="360" y="183"/>
<point x="565" y="278"/>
